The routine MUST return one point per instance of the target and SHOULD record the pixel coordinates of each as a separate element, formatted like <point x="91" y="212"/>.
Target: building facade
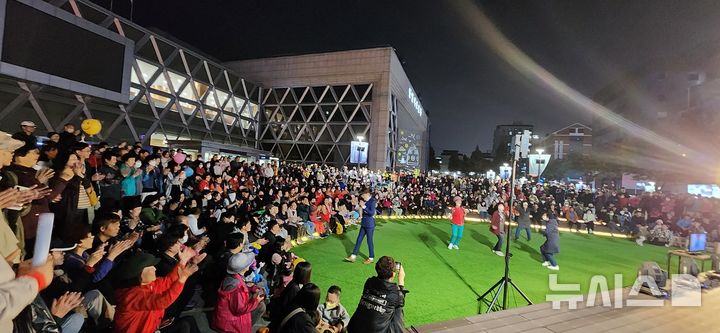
<point x="306" y="108"/>
<point x="174" y="93"/>
<point x="573" y="139"/>
<point x="503" y="134"/>
<point x="315" y="105"/>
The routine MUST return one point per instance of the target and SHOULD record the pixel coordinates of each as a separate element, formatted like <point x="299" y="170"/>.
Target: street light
<point x="360" y="138"/>
<point x="540" y="151"/>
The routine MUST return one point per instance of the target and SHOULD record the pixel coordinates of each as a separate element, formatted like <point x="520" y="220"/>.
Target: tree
<point x="454" y="164"/>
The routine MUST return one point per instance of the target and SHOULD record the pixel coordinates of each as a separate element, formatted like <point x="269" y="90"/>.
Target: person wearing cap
<point x="12" y="238"/>
<point x="458" y="223"/>
<point x="23" y="173"/>
<point x="27" y="128"/>
<point x="65" y="294"/>
<point x="236" y="301"/>
<point x="142" y="297"/>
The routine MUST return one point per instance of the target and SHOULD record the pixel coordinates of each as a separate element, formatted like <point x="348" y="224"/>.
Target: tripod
<point x="505" y="282"/>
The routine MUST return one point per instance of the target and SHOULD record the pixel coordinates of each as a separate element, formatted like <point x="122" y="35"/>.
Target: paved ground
<point x="542" y="318"/>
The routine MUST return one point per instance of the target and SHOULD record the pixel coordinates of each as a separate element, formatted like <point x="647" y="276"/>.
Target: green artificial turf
<point x="444" y="284"/>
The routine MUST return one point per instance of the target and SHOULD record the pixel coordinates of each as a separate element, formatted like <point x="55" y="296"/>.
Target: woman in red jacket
<point x="497" y="226"/>
<point x="144" y="298"/>
<point x="233" y="313"/>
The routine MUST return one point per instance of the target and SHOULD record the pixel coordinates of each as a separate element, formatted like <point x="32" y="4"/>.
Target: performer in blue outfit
<point x="367" y="227"/>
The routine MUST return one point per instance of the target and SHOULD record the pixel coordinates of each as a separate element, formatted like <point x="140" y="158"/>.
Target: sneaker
<point x="546" y="264"/>
<point x="554" y="268"/>
<point x="456" y="247"/>
<point x="368" y="261"/>
<point x="499" y="253"/>
<point x="350" y="259"/>
<point x="450" y="246"/>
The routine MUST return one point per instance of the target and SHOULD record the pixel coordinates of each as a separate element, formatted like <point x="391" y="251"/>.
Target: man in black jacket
<point x="381" y="306"/>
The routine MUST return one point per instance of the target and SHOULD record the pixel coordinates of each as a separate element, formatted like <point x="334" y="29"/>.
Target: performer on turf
<point x="367" y="227"/>
<point x="458" y="223"/>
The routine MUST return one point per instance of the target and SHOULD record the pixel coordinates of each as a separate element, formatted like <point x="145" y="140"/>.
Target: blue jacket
<point x="368" y="219"/>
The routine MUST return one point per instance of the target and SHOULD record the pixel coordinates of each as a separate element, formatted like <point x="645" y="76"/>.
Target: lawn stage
<point x="444" y="284"/>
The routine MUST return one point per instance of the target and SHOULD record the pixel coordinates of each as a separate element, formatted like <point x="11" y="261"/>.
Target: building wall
<point x="175" y="94"/>
<point x="377" y="67"/>
<point x="574" y="139"/>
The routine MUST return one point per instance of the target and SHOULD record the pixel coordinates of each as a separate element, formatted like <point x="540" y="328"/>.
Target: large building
<point x="315" y="105"/>
<point x="502" y="137"/>
<point x="143" y="87"/>
<point x="569" y="140"/>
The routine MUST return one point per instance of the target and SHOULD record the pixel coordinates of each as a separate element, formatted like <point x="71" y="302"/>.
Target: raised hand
<point x="185" y="271"/>
<point x="119" y="247"/>
<point x="44" y="175"/>
<point x="198" y="258"/>
<point x="97" y="177"/>
<point x="63" y="305"/>
<point x="185" y="255"/>
<point x="96" y="256"/>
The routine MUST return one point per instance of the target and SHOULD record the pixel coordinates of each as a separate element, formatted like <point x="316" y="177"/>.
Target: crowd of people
<point x="140" y="235"/>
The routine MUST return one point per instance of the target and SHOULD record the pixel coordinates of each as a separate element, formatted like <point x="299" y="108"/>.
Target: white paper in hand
<point x="42" y="240"/>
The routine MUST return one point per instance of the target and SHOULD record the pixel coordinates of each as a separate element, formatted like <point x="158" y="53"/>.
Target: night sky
<point x="466" y="88"/>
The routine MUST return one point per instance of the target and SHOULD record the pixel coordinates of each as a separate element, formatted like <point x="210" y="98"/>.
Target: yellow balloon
<point x="91" y="126"/>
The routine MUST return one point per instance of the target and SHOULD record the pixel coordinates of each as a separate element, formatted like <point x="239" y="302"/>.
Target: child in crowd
<point x="333" y="315"/>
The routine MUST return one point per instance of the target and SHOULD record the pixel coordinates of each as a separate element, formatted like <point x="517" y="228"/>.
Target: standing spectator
<point x="110" y="188"/>
<point x="26" y="134"/>
<point x="67" y="138"/>
<point x="590" y="218"/>
<point x="130" y="171"/>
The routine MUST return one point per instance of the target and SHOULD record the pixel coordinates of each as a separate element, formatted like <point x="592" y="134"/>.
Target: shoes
<point x="499" y="253"/>
<point x="546" y="264"/>
<point x="350" y="259"/>
<point x="554" y="268"/>
<point x="368" y="261"/>
<point x="450" y="246"/>
<point x="456" y="247"/>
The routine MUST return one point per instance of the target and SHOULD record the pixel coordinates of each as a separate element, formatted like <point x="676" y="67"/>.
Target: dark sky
<point x="466" y="88"/>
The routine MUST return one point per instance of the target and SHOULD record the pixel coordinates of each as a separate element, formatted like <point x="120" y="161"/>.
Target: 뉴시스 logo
<point x="685" y="291"/>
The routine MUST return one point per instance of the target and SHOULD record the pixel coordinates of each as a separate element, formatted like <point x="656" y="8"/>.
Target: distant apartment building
<point x="503" y="136"/>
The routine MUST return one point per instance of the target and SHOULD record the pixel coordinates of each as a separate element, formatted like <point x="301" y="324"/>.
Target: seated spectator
<point x="65" y="290"/>
<point x="143" y="298"/>
<point x="660" y="234"/>
<point x="236" y="300"/>
<point x="301" y="315"/>
<point x="381" y="306"/>
<point x="333" y="315"/>
<point x="282" y="297"/>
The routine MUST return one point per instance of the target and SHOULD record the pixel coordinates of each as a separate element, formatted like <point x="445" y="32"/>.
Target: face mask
<point x="330" y="306"/>
<point x="152" y="163"/>
<point x="138" y="164"/>
<point x="184" y="239"/>
<point x="162" y="202"/>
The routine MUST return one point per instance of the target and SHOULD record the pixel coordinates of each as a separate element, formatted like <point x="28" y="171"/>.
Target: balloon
<point x="179" y="158"/>
<point x="91" y="126"/>
<point x="189" y="172"/>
